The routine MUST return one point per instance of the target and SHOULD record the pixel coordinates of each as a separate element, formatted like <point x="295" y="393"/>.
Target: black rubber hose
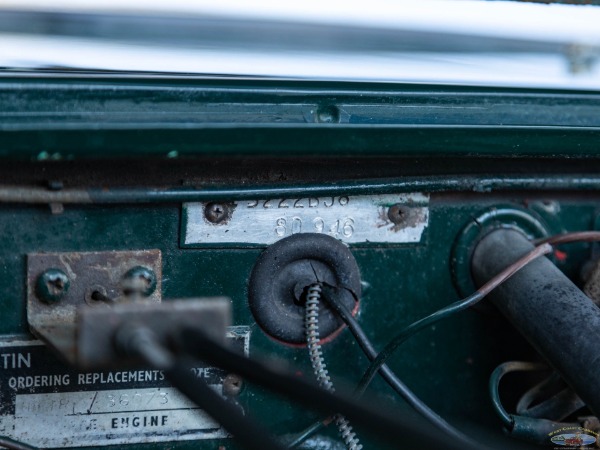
<point x="553" y="314"/>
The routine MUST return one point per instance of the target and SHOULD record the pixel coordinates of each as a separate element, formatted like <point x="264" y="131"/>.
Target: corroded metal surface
<point x="97" y="280"/>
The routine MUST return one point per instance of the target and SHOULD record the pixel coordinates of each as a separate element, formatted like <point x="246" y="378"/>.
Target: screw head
<point x="328" y="114"/>
<point x="52" y="285"/>
<point x="232" y="385"/>
<point x="139" y="280"/>
<point x="216" y="212"/>
<point x="398" y="214"/>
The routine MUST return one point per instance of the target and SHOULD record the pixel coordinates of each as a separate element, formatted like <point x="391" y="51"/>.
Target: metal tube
<point x="553" y="314"/>
<point x="147" y="195"/>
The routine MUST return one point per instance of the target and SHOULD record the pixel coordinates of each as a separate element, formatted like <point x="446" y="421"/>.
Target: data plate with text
<point x="47" y="404"/>
<point x="366" y="219"/>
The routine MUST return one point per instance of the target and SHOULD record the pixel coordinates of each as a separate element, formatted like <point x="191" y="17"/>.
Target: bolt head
<point x="232" y="385"/>
<point x="52" y="285"/>
<point x="139" y="280"/>
<point x="398" y="214"/>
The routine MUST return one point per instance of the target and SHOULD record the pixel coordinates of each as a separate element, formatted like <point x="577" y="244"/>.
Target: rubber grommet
<point x="287" y="266"/>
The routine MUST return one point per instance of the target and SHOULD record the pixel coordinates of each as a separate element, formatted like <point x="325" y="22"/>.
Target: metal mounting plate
<point x="55" y="322"/>
<point x="355" y="220"/>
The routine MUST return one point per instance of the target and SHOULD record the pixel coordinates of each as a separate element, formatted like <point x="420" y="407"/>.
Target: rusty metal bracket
<point x="61" y="285"/>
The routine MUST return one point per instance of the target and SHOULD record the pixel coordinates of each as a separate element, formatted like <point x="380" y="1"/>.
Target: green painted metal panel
<point x="129" y="151"/>
<point x="65" y="118"/>
<point x="448" y="366"/>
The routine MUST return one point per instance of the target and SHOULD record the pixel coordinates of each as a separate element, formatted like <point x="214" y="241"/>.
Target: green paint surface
<point x="49" y="123"/>
<point x="448" y="365"/>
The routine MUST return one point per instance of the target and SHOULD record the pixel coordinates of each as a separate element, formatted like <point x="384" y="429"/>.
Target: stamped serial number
<point x="300" y="203"/>
<point x="146" y="399"/>
<point x="288" y="226"/>
<point x="353" y="219"/>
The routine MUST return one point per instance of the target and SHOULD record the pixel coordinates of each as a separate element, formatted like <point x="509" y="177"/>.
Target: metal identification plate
<point x="365" y="219"/>
<point x="46" y="404"/>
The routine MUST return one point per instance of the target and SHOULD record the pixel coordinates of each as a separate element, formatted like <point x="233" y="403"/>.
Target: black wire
<point x="403" y="432"/>
<point x="298" y="438"/>
<point x="140" y="341"/>
<point x="447" y="311"/>
<point x="332" y="297"/>
<point x="6" y="442"/>
<point x="249" y="433"/>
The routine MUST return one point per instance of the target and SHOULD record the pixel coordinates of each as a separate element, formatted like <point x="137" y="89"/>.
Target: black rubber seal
<point x="291" y="264"/>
